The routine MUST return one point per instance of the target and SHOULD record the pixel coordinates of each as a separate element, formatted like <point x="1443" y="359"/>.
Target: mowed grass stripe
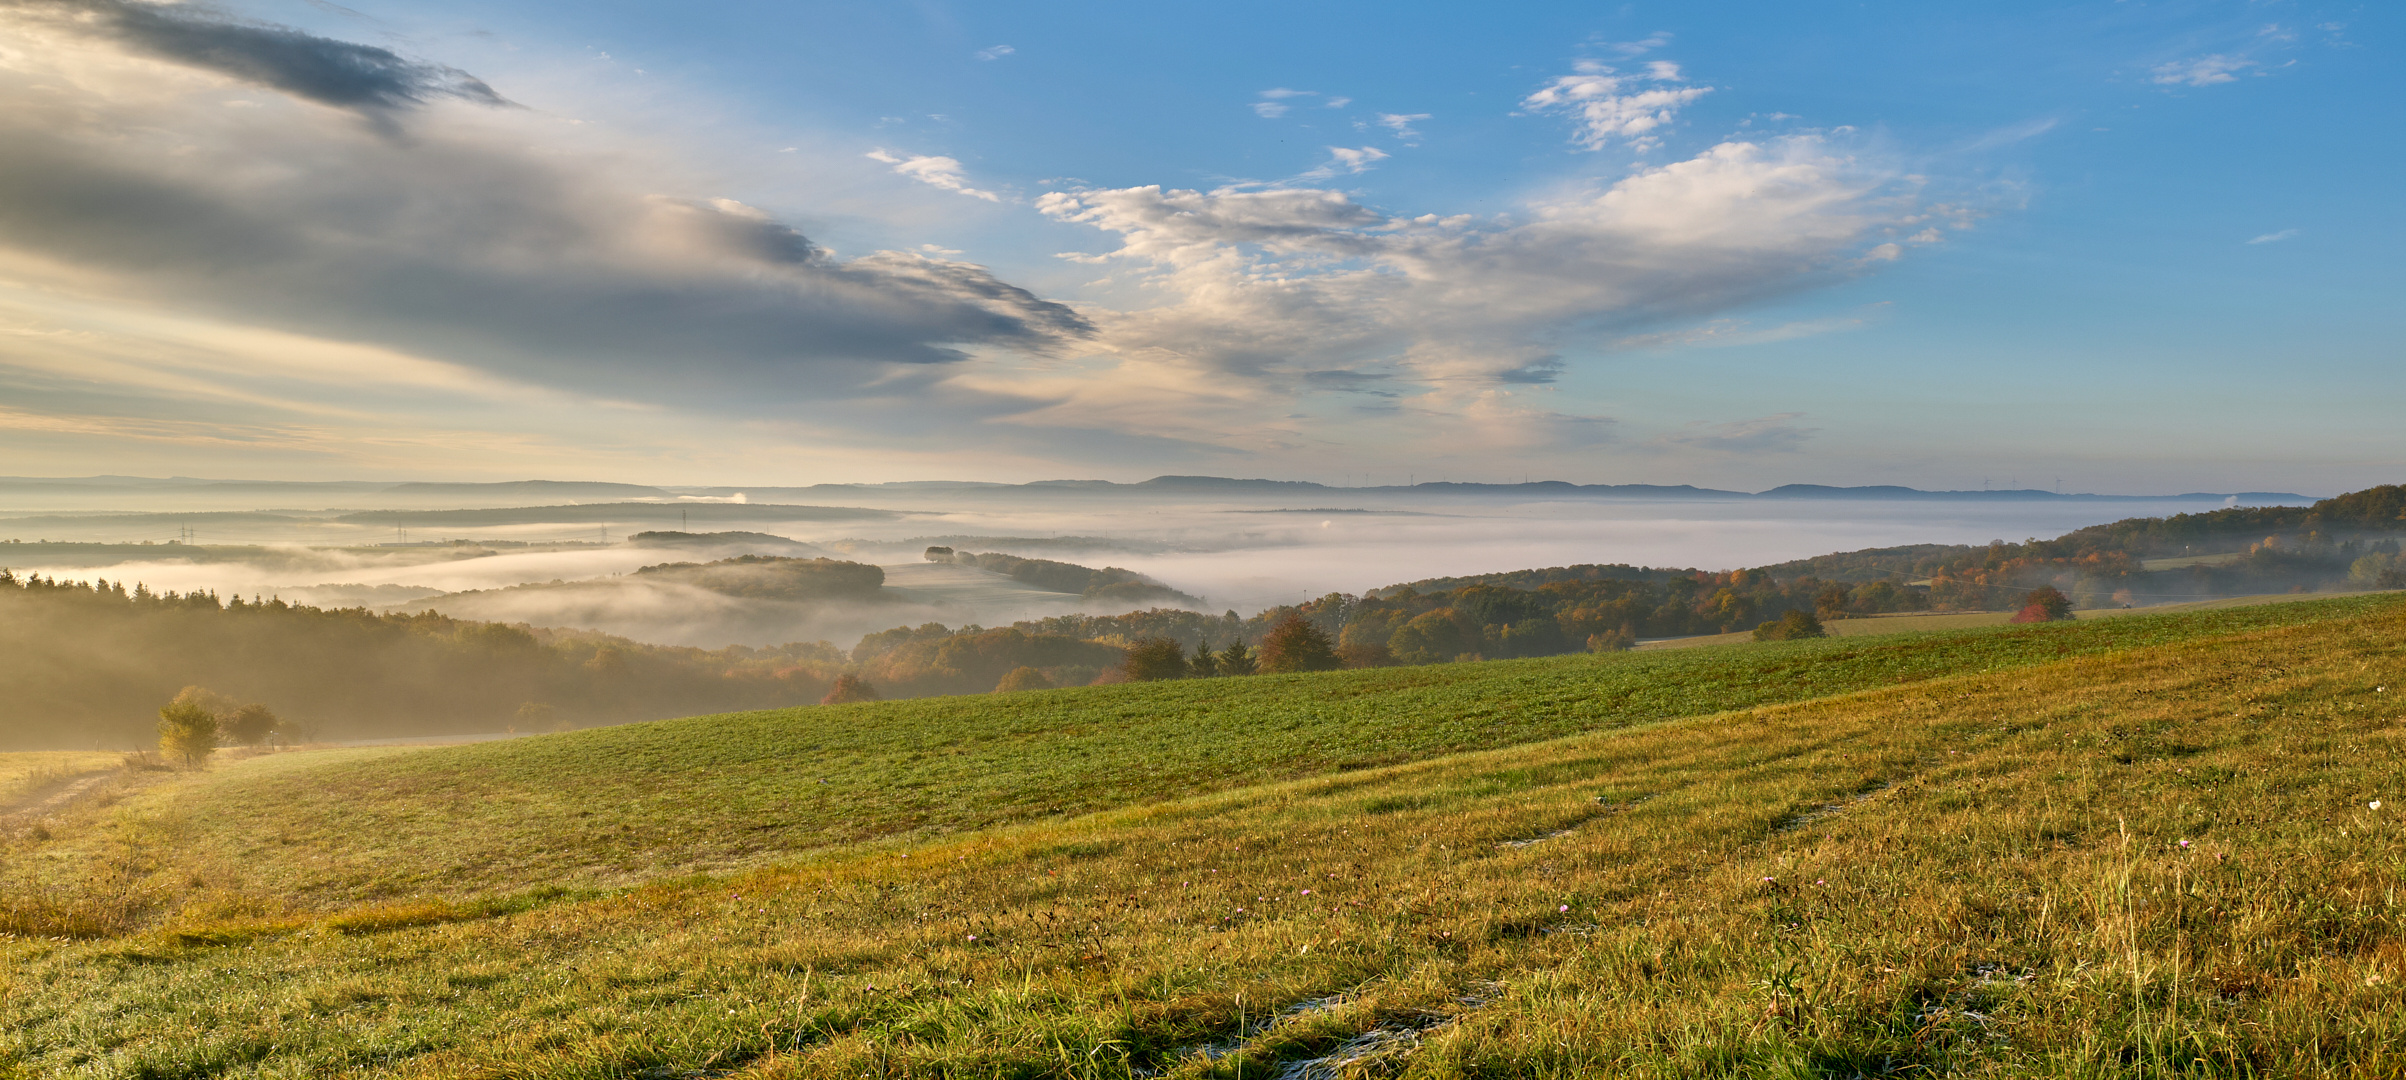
<point x="614" y="806"/>
<point x="2162" y="860"/>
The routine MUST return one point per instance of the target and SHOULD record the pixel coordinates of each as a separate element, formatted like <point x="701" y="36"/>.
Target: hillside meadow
<point x="2147" y="844"/>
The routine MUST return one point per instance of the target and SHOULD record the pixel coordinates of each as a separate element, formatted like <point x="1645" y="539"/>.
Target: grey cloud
<point x="460" y="244"/>
<point x="1358" y="382"/>
<point x="1534" y="372"/>
<point x="338" y="73"/>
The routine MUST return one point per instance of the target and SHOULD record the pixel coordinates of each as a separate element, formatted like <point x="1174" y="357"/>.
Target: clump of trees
<point x="1023" y="678"/>
<point x="1792" y="626"/>
<point x="194" y="723"/>
<point x="2044" y="604"/>
<point x="848" y="689"/>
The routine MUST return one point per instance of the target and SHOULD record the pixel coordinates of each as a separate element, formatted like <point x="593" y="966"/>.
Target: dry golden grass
<point x="2160" y="862"/>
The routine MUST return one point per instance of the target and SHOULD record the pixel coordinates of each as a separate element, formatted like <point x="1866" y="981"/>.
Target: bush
<point x="849" y="689"/>
<point x="1793" y="626"/>
<point x="1023" y="678"/>
<point x="2044" y="604"/>
<point x="1296" y="645"/>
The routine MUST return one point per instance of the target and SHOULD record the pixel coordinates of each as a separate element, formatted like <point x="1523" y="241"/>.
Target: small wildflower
<point x="1308" y="892"/>
<point x="2184" y="845"/>
<point x="1565" y="907"/>
<point x="2375" y="804"/>
<point x="973" y="937"/>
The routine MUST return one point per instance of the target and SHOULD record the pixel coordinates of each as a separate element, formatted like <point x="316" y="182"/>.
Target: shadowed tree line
<point x="87" y="664"/>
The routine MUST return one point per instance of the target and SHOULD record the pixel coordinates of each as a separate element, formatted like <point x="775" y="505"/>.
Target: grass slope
<point x="2155" y="857"/>
<point x="614" y="806"/>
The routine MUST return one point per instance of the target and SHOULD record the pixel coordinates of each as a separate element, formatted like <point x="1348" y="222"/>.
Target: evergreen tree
<point x="1234" y="660"/>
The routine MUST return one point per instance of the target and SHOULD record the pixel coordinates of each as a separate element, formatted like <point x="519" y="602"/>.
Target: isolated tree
<point x="1155" y="658"/>
<point x="249" y="725"/>
<point x="1204" y="664"/>
<point x="848" y="689"/>
<point x="1023" y="678"/>
<point x="1235" y="660"/>
<point x="188" y="727"/>
<point x="2044" y="604"/>
<point x="1296" y="645"/>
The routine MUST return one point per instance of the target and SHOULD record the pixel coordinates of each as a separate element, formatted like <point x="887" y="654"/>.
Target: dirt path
<point x="52" y="797"/>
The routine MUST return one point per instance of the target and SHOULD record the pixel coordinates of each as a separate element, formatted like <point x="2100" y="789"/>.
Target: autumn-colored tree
<point x="1297" y="645"/>
<point x="849" y="689"/>
<point x="1023" y="678"/>
<point x="1155" y="658"/>
<point x="2044" y="604"/>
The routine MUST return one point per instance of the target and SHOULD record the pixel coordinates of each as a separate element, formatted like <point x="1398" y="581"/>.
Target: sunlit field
<point x="2160" y="851"/>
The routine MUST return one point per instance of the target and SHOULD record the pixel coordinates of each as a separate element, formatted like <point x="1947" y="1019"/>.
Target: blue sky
<point x="2134" y="247"/>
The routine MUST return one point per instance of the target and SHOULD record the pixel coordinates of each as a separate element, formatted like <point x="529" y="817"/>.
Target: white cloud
<point x="995" y="53"/>
<point x="2202" y="71"/>
<point x="1401" y="124"/>
<point x="942" y="172"/>
<point x="2275" y="237"/>
<point x="1337" y="102"/>
<point x="1612" y="105"/>
<point x="1630" y="49"/>
<point x="1345" y="162"/>
<point x="1258" y="289"/>
<point x="1273" y="101"/>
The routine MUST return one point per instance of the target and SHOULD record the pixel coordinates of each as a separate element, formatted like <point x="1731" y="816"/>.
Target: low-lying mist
<point x="1235" y="549"/>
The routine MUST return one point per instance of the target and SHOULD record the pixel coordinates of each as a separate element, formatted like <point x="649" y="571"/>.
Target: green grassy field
<point x="2096" y="849"/>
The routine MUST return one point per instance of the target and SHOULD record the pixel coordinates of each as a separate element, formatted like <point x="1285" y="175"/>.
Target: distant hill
<point x="533" y="489"/>
<point x="594" y="513"/>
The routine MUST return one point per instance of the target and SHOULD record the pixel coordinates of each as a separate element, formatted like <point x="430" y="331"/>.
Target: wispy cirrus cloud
<point x="995" y="52"/>
<point x="2206" y="70"/>
<point x="1273" y="103"/>
<point x="1611" y="105"/>
<point x="932" y="170"/>
<point x="2276" y="237"/>
<point x="1401" y="125"/>
<point x="1344" y="161"/>
<point x="1778" y="433"/>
